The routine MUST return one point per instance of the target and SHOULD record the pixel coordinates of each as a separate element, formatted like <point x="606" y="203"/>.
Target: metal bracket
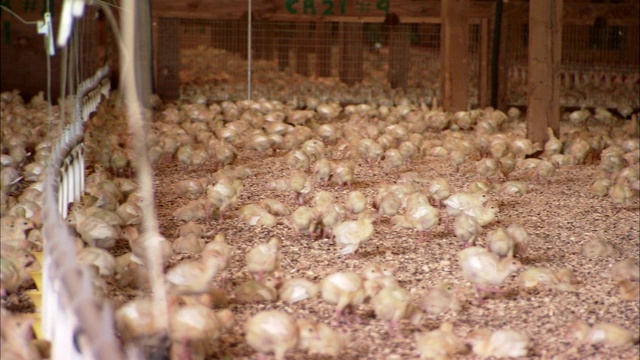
<point x="45" y="27"/>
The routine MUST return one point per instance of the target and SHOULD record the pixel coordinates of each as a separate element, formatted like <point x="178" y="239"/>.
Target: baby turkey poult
<point x="272" y="331"/>
<point x="484" y="269"/>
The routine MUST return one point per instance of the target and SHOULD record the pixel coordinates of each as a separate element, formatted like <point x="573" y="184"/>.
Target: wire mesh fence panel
<point x="600" y="64"/>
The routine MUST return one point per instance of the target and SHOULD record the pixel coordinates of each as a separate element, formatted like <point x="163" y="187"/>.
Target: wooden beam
<point x="399" y="52"/>
<point x="454" y="55"/>
<point x="545" y="47"/>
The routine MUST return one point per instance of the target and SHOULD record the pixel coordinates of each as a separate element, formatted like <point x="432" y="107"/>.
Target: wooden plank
<point x="323" y="49"/>
<point x="310" y="10"/>
<point x="168" y="86"/>
<point x="352" y="53"/>
<point x="545" y="40"/>
<point x="399" y="53"/>
<point x="454" y="55"/>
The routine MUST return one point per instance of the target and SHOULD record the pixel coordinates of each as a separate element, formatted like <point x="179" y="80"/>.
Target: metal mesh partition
<point x="600" y="64"/>
<point x="343" y="61"/>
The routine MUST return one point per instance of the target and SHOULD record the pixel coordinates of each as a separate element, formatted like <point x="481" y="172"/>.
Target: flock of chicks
<point x="323" y="145"/>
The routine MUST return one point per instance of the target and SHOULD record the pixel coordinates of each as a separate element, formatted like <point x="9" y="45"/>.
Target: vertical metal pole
<point x="249" y="53"/>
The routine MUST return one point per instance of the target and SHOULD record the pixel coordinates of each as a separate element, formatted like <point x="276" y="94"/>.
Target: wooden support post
<point x="484" y="91"/>
<point x="302" y="48"/>
<point x="545" y="49"/>
<point x="454" y="56"/>
<point x="399" y="52"/>
<point x="323" y="49"/>
<point x="352" y="51"/>
<point x="282" y="44"/>
<point x="168" y="86"/>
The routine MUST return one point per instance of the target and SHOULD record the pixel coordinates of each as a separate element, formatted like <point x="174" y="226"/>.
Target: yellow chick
<point x="440" y="299"/>
<point x="301" y="184"/>
<point x="500" y="243"/>
<point x="188" y="244"/>
<point x="322" y="170"/>
<point x="224" y="194"/>
<point x="440" y="344"/>
<point x="392" y="304"/>
<point x="319" y="338"/>
<point x="439" y="190"/>
<point x="135" y="319"/>
<point x="264" y="258"/>
<point x="628" y="269"/>
<point x="255" y="215"/>
<point x="546" y="169"/>
<point x="344" y="173"/>
<point x="628" y="290"/>
<point x="195" y="210"/>
<point x="94" y="230"/>
<point x="484" y="269"/>
<point x="272" y="331"/>
<point x="304" y="221"/>
<point x="598" y="247"/>
<point x="350" y="234"/>
<point x="537" y="277"/>
<point x="500" y="343"/>
<point x="487" y="167"/>
<point x="553" y="145"/>
<point x="298" y="160"/>
<point x="607" y="334"/>
<point x="392" y="160"/>
<point x="190" y="228"/>
<point x="194" y="276"/>
<point x="194" y="326"/>
<point x="344" y="289"/>
<point x="252" y="291"/>
<point x="461" y="201"/>
<point x="138" y="246"/>
<point x="13" y="271"/>
<point x="457" y="158"/>
<point x="275" y="207"/>
<point x="100" y="258"/>
<point x="421" y="215"/>
<point x="191" y="188"/>
<point x="17" y="340"/>
<point x="521" y="237"/>
<point x="484" y="215"/>
<point x="356" y="202"/>
<point x="297" y="289"/>
<point x="219" y="251"/>
<point x="467" y="229"/>
<point x="507" y="164"/>
<point x="387" y="203"/>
